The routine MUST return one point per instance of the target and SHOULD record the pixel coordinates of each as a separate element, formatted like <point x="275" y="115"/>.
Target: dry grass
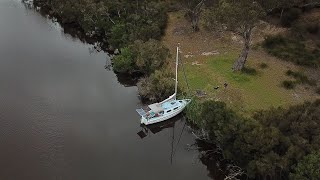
<point x="244" y="93"/>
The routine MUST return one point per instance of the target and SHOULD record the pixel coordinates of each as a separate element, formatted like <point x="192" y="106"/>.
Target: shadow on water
<point x="218" y="167"/>
<point x="76" y="32"/>
<point x="209" y="154"/>
<point x="153" y="129"/>
<point x="158" y="127"/>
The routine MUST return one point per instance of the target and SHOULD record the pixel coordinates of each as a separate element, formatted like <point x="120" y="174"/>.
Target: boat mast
<point x="177" y="59"/>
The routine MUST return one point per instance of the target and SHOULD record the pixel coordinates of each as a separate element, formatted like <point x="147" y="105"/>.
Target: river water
<point x="63" y="116"/>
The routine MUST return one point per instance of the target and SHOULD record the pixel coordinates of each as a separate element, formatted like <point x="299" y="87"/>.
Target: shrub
<point x="290" y="16"/>
<point x="301" y="78"/>
<point x="263" y="65"/>
<point x="318" y="90"/>
<point x="307" y="168"/>
<point x="124" y="63"/>
<point x="305" y="27"/>
<point x="150" y="55"/>
<point x="289" y="84"/>
<point x="214" y="117"/>
<point x="291" y="50"/>
<point x="118" y="36"/>
<point x="142" y="57"/>
<point x="272" y="41"/>
<point x="193" y="112"/>
<point x="313" y="28"/>
<point x="249" y="71"/>
<point x="158" y="86"/>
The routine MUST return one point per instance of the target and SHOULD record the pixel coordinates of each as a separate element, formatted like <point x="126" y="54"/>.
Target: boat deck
<point x="171" y="104"/>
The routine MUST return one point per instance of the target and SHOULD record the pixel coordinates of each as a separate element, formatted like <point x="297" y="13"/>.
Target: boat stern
<point x="143" y="120"/>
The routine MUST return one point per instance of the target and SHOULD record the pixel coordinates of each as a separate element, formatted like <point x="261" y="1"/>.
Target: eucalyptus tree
<point x="193" y="10"/>
<point x="238" y="16"/>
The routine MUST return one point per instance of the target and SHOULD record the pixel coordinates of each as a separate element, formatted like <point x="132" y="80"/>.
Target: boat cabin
<point x="157" y="109"/>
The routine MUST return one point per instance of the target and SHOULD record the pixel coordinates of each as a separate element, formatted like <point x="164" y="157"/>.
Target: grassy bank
<point x="208" y="59"/>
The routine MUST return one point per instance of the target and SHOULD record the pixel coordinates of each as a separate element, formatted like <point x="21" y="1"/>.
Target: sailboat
<point x="167" y="109"/>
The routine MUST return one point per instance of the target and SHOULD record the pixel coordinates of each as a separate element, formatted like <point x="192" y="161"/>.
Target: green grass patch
<point x="245" y="92"/>
<point x="292" y="50"/>
<point x="223" y="65"/>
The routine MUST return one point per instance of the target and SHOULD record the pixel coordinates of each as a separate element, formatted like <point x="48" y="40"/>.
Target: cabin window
<point x="168" y="111"/>
<point x="173" y="103"/>
<point x="175" y="108"/>
<point x="180" y="101"/>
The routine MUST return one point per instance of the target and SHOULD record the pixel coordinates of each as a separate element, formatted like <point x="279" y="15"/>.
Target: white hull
<point x="166" y="116"/>
<point x="166" y="109"/>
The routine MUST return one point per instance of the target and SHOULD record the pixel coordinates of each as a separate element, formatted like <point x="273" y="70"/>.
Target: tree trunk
<point x="195" y="22"/>
<point x="240" y="62"/>
<point x="281" y="13"/>
<point x="195" y="15"/>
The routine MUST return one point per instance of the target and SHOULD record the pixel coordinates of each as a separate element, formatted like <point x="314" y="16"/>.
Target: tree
<point x="124" y="63"/>
<point x="270" y="144"/>
<point x="240" y="17"/>
<point x="157" y="86"/>
<point x="142" y="57"/>
<point x="150" y="55"/>
<point x="193" y="10"/>
<point x="308" y="168"/>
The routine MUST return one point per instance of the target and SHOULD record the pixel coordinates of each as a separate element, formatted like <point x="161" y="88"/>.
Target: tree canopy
<point x="143" y="57"/>
<point x="308" y="168"/>
<point x="239" y="17"/>
<point x="269" y="144"/>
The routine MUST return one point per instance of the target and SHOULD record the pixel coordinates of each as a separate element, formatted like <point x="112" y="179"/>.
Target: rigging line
<point x="179" y="138"/>
<point x="185" y="76"/>
<point x="172" y="144"/>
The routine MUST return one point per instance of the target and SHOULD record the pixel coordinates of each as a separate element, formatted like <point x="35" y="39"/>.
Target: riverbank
<point x="63" y="116"/>
<point x="116" y="28"/>
<point x="257" y="142"/>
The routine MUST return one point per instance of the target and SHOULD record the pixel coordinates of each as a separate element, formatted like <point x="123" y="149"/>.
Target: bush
<point x="142" y="57"/>
<point x="118" y="36"/>
<point x="120" y="22"/>
<point x="318" y="90"/>
<point x="214" y="117"/>
<point x="272" y="41"/>
<point x="290" y="16"/>
<point x="301" y="78"/>
<point x="313" y="28"/>
<point x="159" y="86"/>
<point x="263" y="65"/>
<point x="150" y="55"/>
<point x="305" y="27"/>
<point x="289" y="84"/>
<point x="307" y="168"/>
<point x="124" y="63"/>
<point x="193" y="112"/>
<point x="292" y="50"/>
<point x="249" y="71"/>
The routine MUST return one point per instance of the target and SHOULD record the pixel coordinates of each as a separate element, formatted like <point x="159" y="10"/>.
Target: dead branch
<point x="234" y="172"/>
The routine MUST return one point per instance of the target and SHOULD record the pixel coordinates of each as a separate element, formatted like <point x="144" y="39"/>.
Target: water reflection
<point x="150" y="130"/>
<point x="156" y="128"/>
<point x="63" y="116"/>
